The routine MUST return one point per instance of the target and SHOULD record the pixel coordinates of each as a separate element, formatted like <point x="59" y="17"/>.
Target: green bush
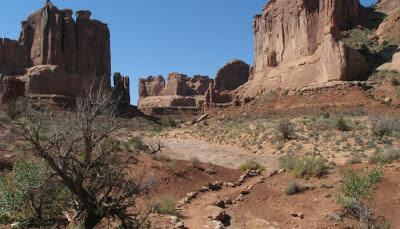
<point x="395" y="81"/>
<point x="287" y="162"/>
<point x="29" y="197"/>
<point x="292" y="188"/>
<point x="252" y="165"/>
<point x="342" y="125"/>
<point x="354" y="160"/>
<point x="326" y="115"/>
<point x="166" y="205"/>
<point x="357" y="187"/>
<point x="309" y="165"/>
<point x="137" y="143"/>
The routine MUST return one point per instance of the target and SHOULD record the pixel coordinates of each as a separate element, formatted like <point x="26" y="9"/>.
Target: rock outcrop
<point x="298" y="43"/>
<point x="121" y="88"/>
<point x="232" y="75"/>
<point x="180" y="90"/>
<point x="56" y="55"/>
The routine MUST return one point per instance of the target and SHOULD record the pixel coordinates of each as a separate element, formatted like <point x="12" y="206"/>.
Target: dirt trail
<point x="226" y="156"/>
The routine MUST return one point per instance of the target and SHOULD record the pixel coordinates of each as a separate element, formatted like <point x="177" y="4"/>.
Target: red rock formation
<point x="12" y="57"/>
<point x="180" y="90"/>
<point x="121" y="88"/>
<point x="51" y="37"/>
<point x="232" y="75"/>
<point x="151" y="86"/>
<point x="298" y="43"/>
<point x="12" y="89"/>
<point x="59" y="54"/>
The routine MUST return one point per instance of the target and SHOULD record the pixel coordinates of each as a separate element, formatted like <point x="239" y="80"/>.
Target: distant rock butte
<point x="56" y="54"/>
<point x="196" y="91"/>
<point x="298" y="43"/>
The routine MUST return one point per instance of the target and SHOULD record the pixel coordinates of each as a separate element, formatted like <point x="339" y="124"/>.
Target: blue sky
<point x="155" y="37"/>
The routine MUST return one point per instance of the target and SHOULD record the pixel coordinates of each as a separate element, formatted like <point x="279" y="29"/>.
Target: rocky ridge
<point x="196" y="91"/>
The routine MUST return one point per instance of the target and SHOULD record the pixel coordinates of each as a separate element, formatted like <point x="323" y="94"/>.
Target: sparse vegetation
<point x="342" y="124"/>
<point x="292" y="188"/>
<point x="309" y="165"/>
<point x="382" y="126"/>
<point x="193" y="162"/>
<point x="30" y="196"/>
<point x="286" y="128"/>
<point x="166" y="205"/>
<point x="357" y="187"/>
<point x="75" y="147"/>
<point x="252" y="165"/>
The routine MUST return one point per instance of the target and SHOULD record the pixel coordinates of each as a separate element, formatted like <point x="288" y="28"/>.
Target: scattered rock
<point x="215" y="213"/>
<point x="179" y="225"/>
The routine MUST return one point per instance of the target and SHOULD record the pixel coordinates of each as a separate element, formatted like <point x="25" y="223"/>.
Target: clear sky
<point x="155" y="37"/>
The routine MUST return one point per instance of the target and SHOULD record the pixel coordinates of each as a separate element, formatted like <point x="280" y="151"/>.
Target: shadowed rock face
<point x="121" y="88"/>
<point x="298" y="43"/>
<point x="232" y="75"/>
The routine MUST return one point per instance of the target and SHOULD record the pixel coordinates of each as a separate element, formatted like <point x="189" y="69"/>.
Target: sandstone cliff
<point x="298" y="43"/>
<point x="55" y="54"/>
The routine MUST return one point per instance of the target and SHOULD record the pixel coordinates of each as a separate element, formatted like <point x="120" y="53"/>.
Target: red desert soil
<point x="267" y="206"/>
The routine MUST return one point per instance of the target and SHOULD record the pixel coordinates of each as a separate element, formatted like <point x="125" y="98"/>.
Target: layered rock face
<point x="298" y="43"/>
<point x="180" y="90"/>
<point x="55" y="54"/>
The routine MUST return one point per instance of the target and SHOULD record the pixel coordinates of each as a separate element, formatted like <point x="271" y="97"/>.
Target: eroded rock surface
<point x="298" y="43"/>
<point x="55" y="54"/>
<point x="180" y="90"/>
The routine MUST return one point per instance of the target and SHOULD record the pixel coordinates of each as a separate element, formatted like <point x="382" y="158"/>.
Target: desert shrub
<point x="169" y="122"/>
<point x="286" y="128"/>
<point x="193" y="162"/>
<point x="160" y="157"/>
<point x="382" y="126"/>
<point x="357" y="187"/>
<point x="395" y="81"/>
<point x="326" y="115"/>
<point x="309" y="165"/>
<point x="292" y="188"/>
<point x="14" y="108"/>
<point x="210" y="169"/>
<point x="342" y="125"/>
<point x="287" y="162"/>
<point x="252" y="165"/>
<point x="166" y="205"/>
<point x="354" y="160"/>
<point x="137" y="143"/>
<point x="29" y="197"/>
<point x="385" y="157"/>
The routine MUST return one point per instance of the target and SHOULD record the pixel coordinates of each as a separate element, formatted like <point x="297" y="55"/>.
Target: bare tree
<point x="77" y="147"/>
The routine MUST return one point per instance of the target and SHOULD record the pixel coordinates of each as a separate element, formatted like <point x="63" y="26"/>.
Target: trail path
<point x="226" y="156"/>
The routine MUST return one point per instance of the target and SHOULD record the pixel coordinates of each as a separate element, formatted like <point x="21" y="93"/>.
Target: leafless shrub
<point x="75" y="146"/>
<point x="286" y="128"/>
<point x="382" y="126"/>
